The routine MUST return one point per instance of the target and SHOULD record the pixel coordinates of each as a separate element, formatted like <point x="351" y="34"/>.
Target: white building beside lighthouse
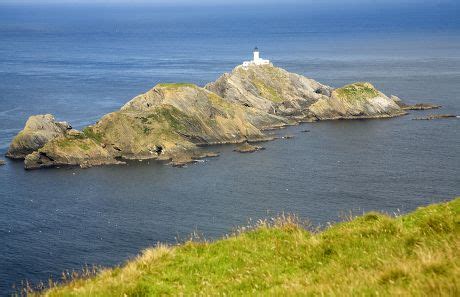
<point x="257" y="60"/>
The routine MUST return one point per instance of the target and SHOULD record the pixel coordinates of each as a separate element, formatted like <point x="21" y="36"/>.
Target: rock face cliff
<point x="39" y="130"/>
<point x="358" y="100"/>
<point x="173" y="118"/>
<point x="271" y="89"/>
<point x="277" y="91"/>
<point x="172" y="121"/>
<point x="168" y="122"/>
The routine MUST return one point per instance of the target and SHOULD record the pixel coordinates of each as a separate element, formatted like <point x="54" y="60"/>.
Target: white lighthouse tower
<point x="256" y="60"/>
<point x="256" y="54"/>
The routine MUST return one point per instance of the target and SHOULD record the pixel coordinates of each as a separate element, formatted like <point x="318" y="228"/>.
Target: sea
<point x="79" y="62"/>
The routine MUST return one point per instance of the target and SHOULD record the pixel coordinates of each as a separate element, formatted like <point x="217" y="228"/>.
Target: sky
<point x="216" y="2"/>
<point x="451" y="6"/>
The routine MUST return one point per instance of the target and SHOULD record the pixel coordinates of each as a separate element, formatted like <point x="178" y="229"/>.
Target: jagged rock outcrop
<point x="247" y="148"/>
<point x="271" y="89"/>
<point x="357" y="100"/>
<point x="83" y="153"/>
<point x="173" y="121"/>
<point x="38" y="131"/>
<point x="175" y="118"/>
<point x="291" y="95"/>
<point x="418" y="106"/>
<point x="437" y="117"/>
<point x="168" y="122"/>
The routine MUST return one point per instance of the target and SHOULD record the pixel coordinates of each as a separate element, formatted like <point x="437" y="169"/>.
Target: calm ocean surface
<point x="79" y="63"/>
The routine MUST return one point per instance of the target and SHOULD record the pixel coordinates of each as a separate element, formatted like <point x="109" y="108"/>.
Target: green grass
<point x="170" y="115"/>
<point x="227" y="109"/>
<point x="176" y="85"/>
<point x="73" y="142"/>
<point x="90" y="133"/>
<point x="79" y="140"/>
<point x="64" y="142"/>
<point x="357" y="91"/>
<point x="267" y="91"/>
<point x="372" y="255"/>
<point x="146" y="130"/>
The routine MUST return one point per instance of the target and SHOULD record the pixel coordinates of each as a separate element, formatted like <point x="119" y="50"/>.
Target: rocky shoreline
<point x="248" y="148"/>
<point x="417" y="106"/>
<point x="174" y="121"/>
<point x="436" y="117"/>
<point x="420" y="106"/>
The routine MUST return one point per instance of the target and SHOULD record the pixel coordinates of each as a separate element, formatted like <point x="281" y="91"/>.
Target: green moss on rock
<point x="89" y="132"/>
<point x="176" y="85"/>
<point x="170" y="117"/>
<point x="69" y="143"/>
<point x="356" y="91"/>
<point x="267" y="91"/>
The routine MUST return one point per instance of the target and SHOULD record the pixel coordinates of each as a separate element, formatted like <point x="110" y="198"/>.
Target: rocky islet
<point x="174" y="121"/>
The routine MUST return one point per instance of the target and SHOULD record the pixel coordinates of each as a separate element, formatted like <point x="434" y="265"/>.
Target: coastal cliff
<point x="271" y="89"/>
<point x="172" y="121"/>
<point x="358" y="100"/>
<point x="279" y="92"/>
<point x="38" y="131"/>
<point x="169" y="122"/>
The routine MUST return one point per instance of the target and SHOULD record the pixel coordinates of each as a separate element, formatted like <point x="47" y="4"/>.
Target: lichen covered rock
<point x="271" y="89"/>
<point x="68" y="150"/>
<point x="38" y="131"/>
<point x="357" y="100"/>
<point x="279" y="92"/>
<point x="168" y="122"/>
<point x="171" y="121"/>
<point x="175" y="118"/>
<point x="247" y="148"/>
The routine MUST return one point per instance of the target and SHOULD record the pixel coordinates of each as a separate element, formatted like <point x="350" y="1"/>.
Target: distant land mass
<point x="173" y="121"/>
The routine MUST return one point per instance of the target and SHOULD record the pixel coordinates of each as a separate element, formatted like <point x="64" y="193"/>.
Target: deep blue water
<point x="79" y="63"/>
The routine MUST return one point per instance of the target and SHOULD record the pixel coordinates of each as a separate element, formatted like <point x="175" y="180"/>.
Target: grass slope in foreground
<point x="416" y="254"/>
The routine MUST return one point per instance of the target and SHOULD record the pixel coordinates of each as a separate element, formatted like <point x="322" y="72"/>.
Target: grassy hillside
<point x="374" y="254"/>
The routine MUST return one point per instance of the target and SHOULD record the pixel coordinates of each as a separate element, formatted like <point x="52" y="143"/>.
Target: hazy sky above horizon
<point x="216" y="2"/>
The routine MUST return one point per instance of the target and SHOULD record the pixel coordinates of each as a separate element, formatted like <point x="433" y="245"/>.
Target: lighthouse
<point x="256" y="60"/>
<point x="256" y="54"/>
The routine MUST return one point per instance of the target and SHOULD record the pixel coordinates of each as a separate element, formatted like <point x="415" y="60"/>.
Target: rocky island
<point x="173" y="121"/>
